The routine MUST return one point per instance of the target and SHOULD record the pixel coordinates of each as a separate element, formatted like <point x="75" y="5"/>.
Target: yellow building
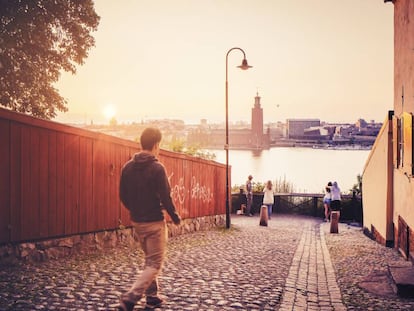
<point x="388" y="177"/>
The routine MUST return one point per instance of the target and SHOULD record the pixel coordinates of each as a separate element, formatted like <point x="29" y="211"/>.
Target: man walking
<point x="145" y="191"/>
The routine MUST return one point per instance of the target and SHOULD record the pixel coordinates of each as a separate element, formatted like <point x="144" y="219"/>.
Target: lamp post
<point x="243" y="66"/>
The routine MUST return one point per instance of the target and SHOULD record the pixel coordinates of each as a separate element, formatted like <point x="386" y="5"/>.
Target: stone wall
<point x="92" y="242"/>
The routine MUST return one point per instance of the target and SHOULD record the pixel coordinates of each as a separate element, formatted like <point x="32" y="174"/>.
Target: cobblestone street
<point x="293" y="264"/>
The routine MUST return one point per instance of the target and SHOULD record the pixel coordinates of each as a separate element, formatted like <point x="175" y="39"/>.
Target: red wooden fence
<point x="57" y="180"/>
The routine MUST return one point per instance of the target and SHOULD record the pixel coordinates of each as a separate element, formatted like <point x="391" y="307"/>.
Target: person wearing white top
<point x="268" y="197"/>
<point x="327" y="201"/>
<point x="335" y="197"/>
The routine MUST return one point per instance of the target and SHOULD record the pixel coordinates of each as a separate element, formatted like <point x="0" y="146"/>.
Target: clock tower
<point x="257" y="124"/>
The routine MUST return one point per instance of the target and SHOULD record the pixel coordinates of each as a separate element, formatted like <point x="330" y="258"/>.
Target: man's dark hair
<point x="149" y="137"/>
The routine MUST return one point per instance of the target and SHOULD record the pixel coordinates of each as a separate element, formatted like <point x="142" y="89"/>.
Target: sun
<point x="109" y="111"/>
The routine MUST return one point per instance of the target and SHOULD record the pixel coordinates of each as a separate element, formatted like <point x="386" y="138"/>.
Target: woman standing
<point x="268" y="197"/>
<point x="335" y="197"/>
<point x="327" y="201"/>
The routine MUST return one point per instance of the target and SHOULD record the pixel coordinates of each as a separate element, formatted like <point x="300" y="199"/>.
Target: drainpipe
<point x="389" y="239"/>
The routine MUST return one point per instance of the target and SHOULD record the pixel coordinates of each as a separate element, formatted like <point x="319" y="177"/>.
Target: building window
<point x="407" y="134"/>
<point x="403" y="143"/>
<point x="400" y="140"/>
<point x="396" y="136"/>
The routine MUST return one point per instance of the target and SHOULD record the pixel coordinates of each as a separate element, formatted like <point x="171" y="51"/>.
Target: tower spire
<point x="257" y="100"/>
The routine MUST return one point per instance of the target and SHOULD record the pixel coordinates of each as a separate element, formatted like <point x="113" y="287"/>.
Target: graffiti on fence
<point x="178" y="191"/>
<point x="198" y="191"/>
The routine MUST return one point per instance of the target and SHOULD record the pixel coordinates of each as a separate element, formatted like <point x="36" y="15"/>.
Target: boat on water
<point x="342" y="147"/>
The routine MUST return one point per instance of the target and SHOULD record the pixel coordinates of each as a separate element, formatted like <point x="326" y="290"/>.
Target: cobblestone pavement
<point x="311" y="283"/>
<point x="356" y="258"/>
<point x="293" y="264"/>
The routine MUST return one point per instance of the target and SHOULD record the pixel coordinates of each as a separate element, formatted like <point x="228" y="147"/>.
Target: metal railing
<point x="310" y="204"/>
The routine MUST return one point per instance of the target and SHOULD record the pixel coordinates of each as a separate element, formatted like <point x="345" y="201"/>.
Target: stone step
<point x="403" y="277"/>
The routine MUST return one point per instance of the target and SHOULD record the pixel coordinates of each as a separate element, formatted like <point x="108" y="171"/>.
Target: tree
<point x="357" y="188"/>
<point x="38" y="39"/>
<point x="178" y="145"/>
<point x="113" y="122"/>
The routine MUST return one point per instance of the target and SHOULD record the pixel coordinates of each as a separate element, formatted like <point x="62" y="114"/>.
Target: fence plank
<point x="195" y="182"/>
<point x="55" y="223"/>
<point x="220" y="182"/>
<point x="109" y="173"/>
<point x="86" y="210"/>
<point x="5" y="181"/>
<point x="179" y="190"/>
<point x="61" y="179"/>
<point x="127" y="154"/>
<point x="32" y="207"/>
<point x="29" y="187"/>
<point x="208" y="195"/>
<point x="113" y="174"/>
<point x="15" y="181"/>
<point x="43" y="183"/>
<point x="99" y="184"/>
<point x="120" y="152"/>
<point x="71" y="173"/>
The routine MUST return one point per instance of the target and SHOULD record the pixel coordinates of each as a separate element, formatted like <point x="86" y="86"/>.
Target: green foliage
<point x="38" y="39"/>
<point x="258" y="187"/>
<point x="357" y="188"/>
<point x="113" y="122"/>
<point x="205" y="154"/>
<point x="178" y="145"/>
<point x="280" y="185"/>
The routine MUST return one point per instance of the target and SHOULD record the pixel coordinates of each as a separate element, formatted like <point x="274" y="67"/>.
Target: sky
<point x="162" y="59"/>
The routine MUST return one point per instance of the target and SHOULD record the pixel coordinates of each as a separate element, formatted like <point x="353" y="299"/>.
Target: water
<point x="307" y="169"/>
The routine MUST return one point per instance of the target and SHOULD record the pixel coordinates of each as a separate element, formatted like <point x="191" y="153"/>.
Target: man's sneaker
<point x="125" y="305"/>
<point x="153" y="302"/>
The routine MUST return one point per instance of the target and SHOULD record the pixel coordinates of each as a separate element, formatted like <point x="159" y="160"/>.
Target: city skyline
<point x="233" y="123"/>
<point x="325" y="59"/>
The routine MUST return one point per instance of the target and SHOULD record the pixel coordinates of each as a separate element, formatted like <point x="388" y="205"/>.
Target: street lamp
<point x="243" y="66"/>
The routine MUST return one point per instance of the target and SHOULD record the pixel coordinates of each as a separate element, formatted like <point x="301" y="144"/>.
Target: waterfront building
<point x="240" y="137"/>
<point x="316" y="132"/>
<point x="296" y="127"/>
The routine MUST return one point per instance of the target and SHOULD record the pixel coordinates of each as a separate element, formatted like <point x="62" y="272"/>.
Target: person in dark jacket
<point x="249" y="195"/>
<point x="145" y="192"/>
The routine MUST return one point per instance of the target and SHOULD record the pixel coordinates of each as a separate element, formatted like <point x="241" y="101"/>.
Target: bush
<point x="280" y="185"/>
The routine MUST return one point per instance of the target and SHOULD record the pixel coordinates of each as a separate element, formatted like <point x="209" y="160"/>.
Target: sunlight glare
<point x="109" y="111"/>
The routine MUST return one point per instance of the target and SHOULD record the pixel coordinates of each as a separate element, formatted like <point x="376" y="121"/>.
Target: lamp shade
<point x="244" y="65"/>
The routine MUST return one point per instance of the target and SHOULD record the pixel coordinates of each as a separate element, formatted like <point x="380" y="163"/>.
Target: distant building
<point x="296" y="127"/>
<point x="241" y="137"/>
<point x="257" y="136"/>
<point x="361" y="123"/>
<point x="276" y="131"/>
<point x="317" y="133"/>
